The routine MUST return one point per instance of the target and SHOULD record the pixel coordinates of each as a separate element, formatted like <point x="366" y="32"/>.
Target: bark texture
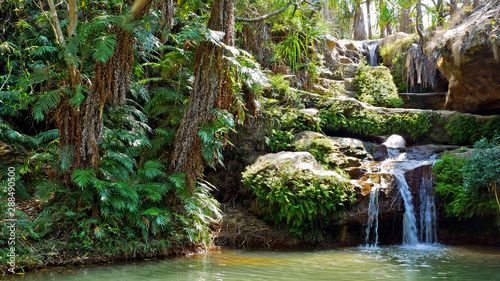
<point x="359" y="25"/>
<point x="211" y="89"/>
<point x="108" y="86"/>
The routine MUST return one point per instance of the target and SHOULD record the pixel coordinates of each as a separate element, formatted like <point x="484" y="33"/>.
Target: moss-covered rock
<point x="293" y="190"/>
<point x="332" y="152"/>
<point x="374" y="85"/>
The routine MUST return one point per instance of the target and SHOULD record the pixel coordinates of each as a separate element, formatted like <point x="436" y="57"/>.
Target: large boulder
<point x="295" y="161"/>
<point x="338" y="151"/>
<point x="470" y="60"/>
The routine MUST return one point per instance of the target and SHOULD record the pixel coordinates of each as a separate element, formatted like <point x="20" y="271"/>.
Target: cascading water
<point x="415" y="231"/>
<point x="409" y="221"/>
<point x="427" y="210"/>
<point x="393" y="144"/>
<point x="372" y="49"/>
<point x="372" y="218"/>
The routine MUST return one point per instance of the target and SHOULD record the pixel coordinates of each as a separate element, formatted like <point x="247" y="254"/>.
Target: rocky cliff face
<point x="470" y="60"/>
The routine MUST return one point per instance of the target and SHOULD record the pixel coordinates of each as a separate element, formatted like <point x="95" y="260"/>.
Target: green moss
<point x="341" y="116"/>
<point x="302" y="202"/>
<point x="376" y="86"/>
<point x="390" y="51"/>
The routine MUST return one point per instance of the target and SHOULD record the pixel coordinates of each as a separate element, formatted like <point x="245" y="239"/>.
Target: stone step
<point x="349" y="84"/>
<point x="331" y="83"/>
<point x="424" y="100"/>
<point x="349" y="69"/>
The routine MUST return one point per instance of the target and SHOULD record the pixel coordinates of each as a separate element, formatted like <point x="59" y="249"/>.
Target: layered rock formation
<point x="470" y="60"/>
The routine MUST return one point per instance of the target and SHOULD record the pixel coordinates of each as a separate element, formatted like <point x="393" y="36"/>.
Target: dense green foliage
<point x="346" y="116"/>
<point x="280" y="140"/>
<point x="302" y="202"/>
<point x="376" y="86"/>
<point x="464" y="129"/>
<point x="468" y="186"/>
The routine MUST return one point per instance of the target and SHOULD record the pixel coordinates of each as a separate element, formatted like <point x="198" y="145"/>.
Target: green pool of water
<point x="423" y="262"/>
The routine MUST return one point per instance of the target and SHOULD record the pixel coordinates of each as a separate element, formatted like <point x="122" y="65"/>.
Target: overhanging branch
<point x="264" y="17"/>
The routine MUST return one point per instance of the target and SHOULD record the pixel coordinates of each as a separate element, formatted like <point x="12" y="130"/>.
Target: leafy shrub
<point x="344" y="116"/>
<point x="482" y="172"/>
<point x="375" y="86"/>
<point x="467" y="186"/>
<point x="280" y="140"/>
<point x="302" y="202"/>
<point x="465" y="130"/>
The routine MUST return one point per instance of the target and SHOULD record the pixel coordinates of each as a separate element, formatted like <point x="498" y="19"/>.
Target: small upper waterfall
<point x="372" y="52"/>
<point x="419" y="219"/>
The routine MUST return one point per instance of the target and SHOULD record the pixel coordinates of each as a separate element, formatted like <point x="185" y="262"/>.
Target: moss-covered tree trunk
<point x="211" y="89"/>
<point x="81" y="127"/>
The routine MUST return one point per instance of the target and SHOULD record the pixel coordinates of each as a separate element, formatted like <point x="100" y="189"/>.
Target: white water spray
<point x="415" y="231"/>
<point x="372" y="223"/>
<point x="427" y="210"/>
<point x="372" y="49"/>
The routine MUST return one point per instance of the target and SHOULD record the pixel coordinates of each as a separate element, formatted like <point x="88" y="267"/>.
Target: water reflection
<point x="420" y="262"/>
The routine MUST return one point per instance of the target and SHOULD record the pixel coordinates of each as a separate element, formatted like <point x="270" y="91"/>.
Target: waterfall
<point x="409" y="220"/>
<point x="419" y="220"/>
<point x="372" y="218"/>
<point x="427" y="210"/>
<point x="372" y="49"/>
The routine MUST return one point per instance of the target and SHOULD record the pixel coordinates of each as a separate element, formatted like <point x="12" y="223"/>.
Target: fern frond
<point x="105" y="47"/>
<point x="83" y="178"/>
<point x="43" y="51"/>
<point x="153" y="169"/>
<point x="125" y="160"/>
<point x="44" y="103"/>
<point x="47" y="136"/>
<point x="66" y="154"/>
<point x="179" y="180"/>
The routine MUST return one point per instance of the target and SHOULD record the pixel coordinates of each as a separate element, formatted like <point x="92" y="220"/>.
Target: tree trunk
<point x="359" y="24"/>
<point x="368" y="4"/>
<point x="466" y="3"/>
<point x="109" y="86"/>
<point x="476" y="3"/>
<point x="419" y="16"/>
<point x="405" y="22"/>
<point x="211" y="89"/>
<point x="418" y="25"/>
